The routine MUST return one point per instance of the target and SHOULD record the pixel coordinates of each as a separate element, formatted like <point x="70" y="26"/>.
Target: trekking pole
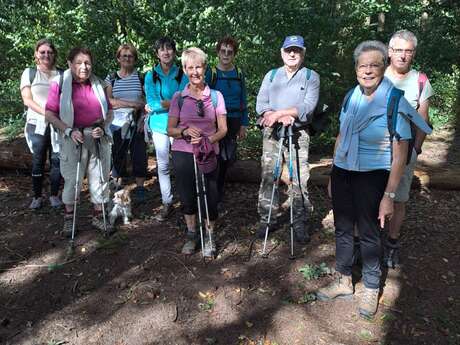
<point x="291" y="194"/>
<point x="71" y="248"/>
<point x="276" y="173"/>
<point x="208" y="224"/>
<point x="200" y="220"/>
<point x="101" y="181"/>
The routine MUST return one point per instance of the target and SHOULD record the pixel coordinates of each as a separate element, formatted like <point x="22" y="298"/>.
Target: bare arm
<point x="221" y="129"/>
<point x="397" y="169"/>
<point x="28" y="101"/>
<point x="120" y="103"/>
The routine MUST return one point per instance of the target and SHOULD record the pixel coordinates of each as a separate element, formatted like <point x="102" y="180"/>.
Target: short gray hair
<point x="193" y="53"/>
<point x="367" y="46"/>
<point x="405" y="35"/>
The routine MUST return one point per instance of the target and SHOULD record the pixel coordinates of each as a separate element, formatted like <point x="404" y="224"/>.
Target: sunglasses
<point x="200" y="108"/>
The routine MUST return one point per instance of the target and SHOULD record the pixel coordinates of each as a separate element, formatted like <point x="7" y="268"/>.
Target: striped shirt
<point x="128" y="88"/>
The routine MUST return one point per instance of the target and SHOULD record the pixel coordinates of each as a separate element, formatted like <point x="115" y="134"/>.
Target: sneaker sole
<point x="323" y="298"/>
<point x="365" y="314"/>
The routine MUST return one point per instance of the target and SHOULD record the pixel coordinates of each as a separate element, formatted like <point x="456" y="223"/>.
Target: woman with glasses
<point x="229" y="80"/>
<point x="197" y="118"/>
<point x="125" y="92"/>
<point x="160" y="85"/>
<point x="368" y="164"/>
<point x="40" y="136"/>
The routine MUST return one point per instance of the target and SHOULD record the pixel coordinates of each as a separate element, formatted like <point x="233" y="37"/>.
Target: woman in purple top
<point x="195" y="114"/>
<point x="78" y="107"/>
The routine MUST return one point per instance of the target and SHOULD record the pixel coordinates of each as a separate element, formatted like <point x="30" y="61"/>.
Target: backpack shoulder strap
<point x="179" y="75"/>
<point x="422" y="79"/>
<point x="180" y="101"/>
<point x="213" y="81"/>
<point x="308" y="73"/>
<point x="346" y="100"/>
<point x="214" y="98"/>
<point x="272" y="74"/>
<point x="392" y="114"/>
<point x="32" y="74"/>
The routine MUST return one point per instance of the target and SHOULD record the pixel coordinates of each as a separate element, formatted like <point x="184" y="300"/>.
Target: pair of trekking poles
<point x="283" y="132"/>
<point x="97" y="142"/>
<point x="200" y="192"/>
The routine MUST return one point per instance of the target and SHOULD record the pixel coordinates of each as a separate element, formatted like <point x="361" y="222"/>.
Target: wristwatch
<point x="68" y="131"/>
<point x="391" y="195"/>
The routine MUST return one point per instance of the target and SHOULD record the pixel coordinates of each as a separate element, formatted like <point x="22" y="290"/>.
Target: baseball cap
<point x="293" y="41"/>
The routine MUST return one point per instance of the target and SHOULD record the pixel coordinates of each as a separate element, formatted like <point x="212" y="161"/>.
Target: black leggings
<point x="186" y="187"/>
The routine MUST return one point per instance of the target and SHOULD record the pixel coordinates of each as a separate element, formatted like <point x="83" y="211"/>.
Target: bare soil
<point x="136" y="288"/>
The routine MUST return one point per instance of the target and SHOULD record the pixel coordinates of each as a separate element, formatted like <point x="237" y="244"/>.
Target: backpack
<point x="33" y="73"/>
<point x="392" y="118"/>
<point x="239" y="78"/>
<point x="320" y="117"/>
<point x="214" y="99"/>
<point x="156" y="78"/>
<point x="113" y="77"/>
<point x="422" y="79"/>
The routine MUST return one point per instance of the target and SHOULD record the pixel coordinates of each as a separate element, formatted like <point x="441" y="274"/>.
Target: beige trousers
<point x="89" y="167"/>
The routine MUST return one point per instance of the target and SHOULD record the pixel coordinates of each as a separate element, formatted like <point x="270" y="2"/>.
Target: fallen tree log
<point x="14" y="155"/>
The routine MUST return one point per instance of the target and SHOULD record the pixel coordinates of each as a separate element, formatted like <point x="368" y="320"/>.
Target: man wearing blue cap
<point x="288" y="96"/>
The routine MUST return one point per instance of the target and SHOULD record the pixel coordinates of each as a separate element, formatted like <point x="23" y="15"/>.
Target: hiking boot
<point x="36" y="203"/>
<point x="301" y="233"/>
<point x="68" y="223"/>
<point x="55" y="202"/>
<point x="139" y="194"/>
<point x="369" y="302"/>
<point x="391" y="254"/>
<point x="164" y="213"/>
<point x="191" y="243"/>
<point x="209" y="248"/>
<point x="341" y="287"/>
<point x="98" y="222"/>
<point x="262" y="228"/>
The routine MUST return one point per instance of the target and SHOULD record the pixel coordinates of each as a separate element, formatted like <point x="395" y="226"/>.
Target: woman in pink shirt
<point x="196" y="115"/>
<point x="78" y="107"/>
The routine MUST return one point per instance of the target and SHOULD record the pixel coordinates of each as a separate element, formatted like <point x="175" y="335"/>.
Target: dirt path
<point x="138" y="289"/>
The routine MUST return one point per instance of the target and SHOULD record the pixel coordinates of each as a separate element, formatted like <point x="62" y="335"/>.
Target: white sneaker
<point x="55" y="202"/>
<point x="36" y="203"/>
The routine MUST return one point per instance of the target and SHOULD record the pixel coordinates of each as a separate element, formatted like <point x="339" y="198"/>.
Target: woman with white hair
<point x="368" y="163"/>
<point x="197" y="117"/>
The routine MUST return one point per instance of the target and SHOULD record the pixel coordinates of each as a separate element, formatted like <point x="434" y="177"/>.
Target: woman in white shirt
<point x="35" y="82"/>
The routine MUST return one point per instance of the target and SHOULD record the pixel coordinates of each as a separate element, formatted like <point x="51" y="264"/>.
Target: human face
<point x="81" y="67"/>
<point x="166" y="55"/>
<point x="401" y="53"/>
<point x="126" y="59"/>
<point x="369" y="71"/>
<point x="226" y="55"/>
<point x="194" y="69"/>
<point x="45" y="55"/>
<point x="292" y="56"/>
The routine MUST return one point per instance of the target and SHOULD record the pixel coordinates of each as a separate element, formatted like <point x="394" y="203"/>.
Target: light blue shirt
<point x="366" y="126"/>
<point x="159" y="91"/>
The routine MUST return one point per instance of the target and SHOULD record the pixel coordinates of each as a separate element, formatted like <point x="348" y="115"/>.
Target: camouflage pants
<point x="301" y="204"/>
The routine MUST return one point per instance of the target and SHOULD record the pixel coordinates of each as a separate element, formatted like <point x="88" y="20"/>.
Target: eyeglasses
<point x="226" y="51"/>
<point x="46" y="52"/>
<point x="403" y="51"/>
<point x="126" y="56"/>
<point x="295" y="50"/>
<point x="371" y="66"/>
<point x="200" y="108"/>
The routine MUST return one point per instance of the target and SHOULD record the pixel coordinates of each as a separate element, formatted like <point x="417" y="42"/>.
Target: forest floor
<point x="136" y="287"/>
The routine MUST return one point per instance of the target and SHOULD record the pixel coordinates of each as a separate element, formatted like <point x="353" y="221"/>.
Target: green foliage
<point x="331" y="29"/>
<point x="307" y="298"/>
<point x="311" y="272"/>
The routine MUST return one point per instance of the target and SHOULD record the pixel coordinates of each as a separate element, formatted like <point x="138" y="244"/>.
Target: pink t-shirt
<point x="86" y="107"/>
<point x="188" y="116"/>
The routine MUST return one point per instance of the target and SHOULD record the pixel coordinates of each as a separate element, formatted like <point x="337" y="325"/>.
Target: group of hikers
<point x="194" y="114"/>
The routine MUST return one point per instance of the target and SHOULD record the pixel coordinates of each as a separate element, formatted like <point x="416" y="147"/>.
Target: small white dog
<point x="121" y="207"/>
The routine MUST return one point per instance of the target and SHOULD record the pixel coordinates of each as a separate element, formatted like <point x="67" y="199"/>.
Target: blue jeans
<point x="41" y="145"/>
<point x="356" y="199"/>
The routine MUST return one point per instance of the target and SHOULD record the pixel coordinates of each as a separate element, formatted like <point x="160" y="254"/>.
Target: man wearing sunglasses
<point x="287" y="97"/>
<point x="418" y="91"/>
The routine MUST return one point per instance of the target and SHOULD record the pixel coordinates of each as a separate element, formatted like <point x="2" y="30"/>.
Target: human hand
<point x="76" y="136"/>
<point x="193" y="132"/>
<point x="242" y="133"/>
<point x="269" y="119"/>
<point x="147" y="109"/>
<point x="165" y="104"/>
<point x="286" y="120"/>
<point x="97" y="132"/>
<point x="386" y="209"/>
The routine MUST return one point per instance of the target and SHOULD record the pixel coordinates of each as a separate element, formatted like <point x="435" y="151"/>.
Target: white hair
<point x="405" y="35"/>
<point x="193" y="53"/>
